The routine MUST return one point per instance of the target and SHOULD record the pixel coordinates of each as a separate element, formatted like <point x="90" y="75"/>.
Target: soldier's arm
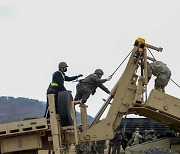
<point x="67" y="78"/>
<point x="102" y="80"/>
<point x="149" y="73"/>
<point x="139" y="136"/>
<point x="96" y="79"/>
<point x="104" y="88"/>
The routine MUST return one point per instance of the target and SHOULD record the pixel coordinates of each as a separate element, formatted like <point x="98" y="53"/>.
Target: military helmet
<point x="62" y="65"/>
<point x="99" y="71"/>
<point x="137" y="129"/>
<point x="152" y="130"/>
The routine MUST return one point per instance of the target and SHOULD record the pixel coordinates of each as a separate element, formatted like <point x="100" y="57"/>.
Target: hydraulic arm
<point x="127" y="97"/>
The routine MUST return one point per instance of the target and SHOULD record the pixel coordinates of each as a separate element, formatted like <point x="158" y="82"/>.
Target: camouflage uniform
<point x="100" y="146"/>
<point x="151" y="135"/>
<point x="145" y="136"/>
<point x="93" y="147"/>
<point x="137" y="138"/>
<point x="117" y="143"/>
<point x="88" y="86"/>
<point x="130" y="142"/>
<point x="110" y="146"/>
<point x="83" y="148"/>
<point x="162" y="73"/>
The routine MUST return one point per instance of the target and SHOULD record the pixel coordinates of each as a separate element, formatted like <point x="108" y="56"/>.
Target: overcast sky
<point x="35" y="35"/>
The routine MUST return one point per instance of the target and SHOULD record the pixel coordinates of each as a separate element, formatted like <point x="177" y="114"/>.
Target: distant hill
<point x="17" y="109"/>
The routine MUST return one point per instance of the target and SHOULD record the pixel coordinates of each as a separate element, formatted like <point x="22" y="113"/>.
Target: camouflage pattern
<point x="110" y="146"/>
<point x="88" y="86"/>
<point x="93" y="147"/>
<point x="83" y="148"/>
<point x="151" y="136"/>
<point x="145" y="136"/>
<point x="100" y="146"/>
<point x="130" y="142"/>
<point x="137" y="138"/>
<point x="162" y="73"/>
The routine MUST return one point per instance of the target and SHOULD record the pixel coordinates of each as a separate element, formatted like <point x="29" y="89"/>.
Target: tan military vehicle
<point x="127" y="96"/>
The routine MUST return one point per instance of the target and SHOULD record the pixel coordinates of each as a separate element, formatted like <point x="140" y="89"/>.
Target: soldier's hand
<point x="93" y="92"/>
<point x="80" y="75"/>
<point x="108" y="92"/>
<point x="109" y="78"/>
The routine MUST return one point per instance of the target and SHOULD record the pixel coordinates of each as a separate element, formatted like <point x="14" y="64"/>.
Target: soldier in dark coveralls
<point x="88" y="85"/>
<point x="117" y="141"/>
<point x="58" y="78"/>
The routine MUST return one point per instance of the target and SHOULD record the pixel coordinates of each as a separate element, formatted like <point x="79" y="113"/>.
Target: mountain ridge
<point x="17" y="109"/>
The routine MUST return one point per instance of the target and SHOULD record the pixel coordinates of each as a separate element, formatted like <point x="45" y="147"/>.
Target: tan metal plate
<point x="23" y="126"/>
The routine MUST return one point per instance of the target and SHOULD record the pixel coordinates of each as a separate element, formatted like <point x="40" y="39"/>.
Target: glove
<point x="109" y="78"/>
<point x="80" y="75"/>
<point x="93" y="92"/>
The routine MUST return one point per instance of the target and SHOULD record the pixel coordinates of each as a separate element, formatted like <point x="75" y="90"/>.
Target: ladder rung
<point x="67" y="128"/>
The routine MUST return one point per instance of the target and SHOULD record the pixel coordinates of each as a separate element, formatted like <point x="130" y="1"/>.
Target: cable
<point x="170" y="79"/>
<point x="115" y="69"/>
<point x="151" y="53"/>
<point x="175" y="83"/>
<point x="120" y="65"/>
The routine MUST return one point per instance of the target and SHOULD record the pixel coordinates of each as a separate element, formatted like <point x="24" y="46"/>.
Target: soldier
<point x="162" y="73"/>
<point x="151" y="135"/>
<point x="58" y="78"/>
<point x="136" y="137"/>
<point x="110" y="146"/>
<point x="130" y="142"/>
<point x="88" y="85"/>
<point x="145" y="136"/>
<point x="178" y="134"/>
<point x="93" y="147"/>
<point x="83" y="148"/>
<point x="100" y="146"/>
<point x="117" y="143"/>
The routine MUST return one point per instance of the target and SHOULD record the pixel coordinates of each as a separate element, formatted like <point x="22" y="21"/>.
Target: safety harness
<point x="54" y="84"/>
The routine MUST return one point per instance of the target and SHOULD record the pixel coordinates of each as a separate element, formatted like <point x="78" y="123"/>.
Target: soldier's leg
<point x="86" y="96"/>
<point x="79" y="92"/>
<point x="109" y="149"/>
<point x="130" y="142"/>
<point x="160" y="82"/>
<point x="118" y="149"/>
<point x="114" y="149"/>
<point x="46" y="114"/>
<point x="78" y="96"/>
<point x="102" y="150"/>
<point x="51" y="91"/>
